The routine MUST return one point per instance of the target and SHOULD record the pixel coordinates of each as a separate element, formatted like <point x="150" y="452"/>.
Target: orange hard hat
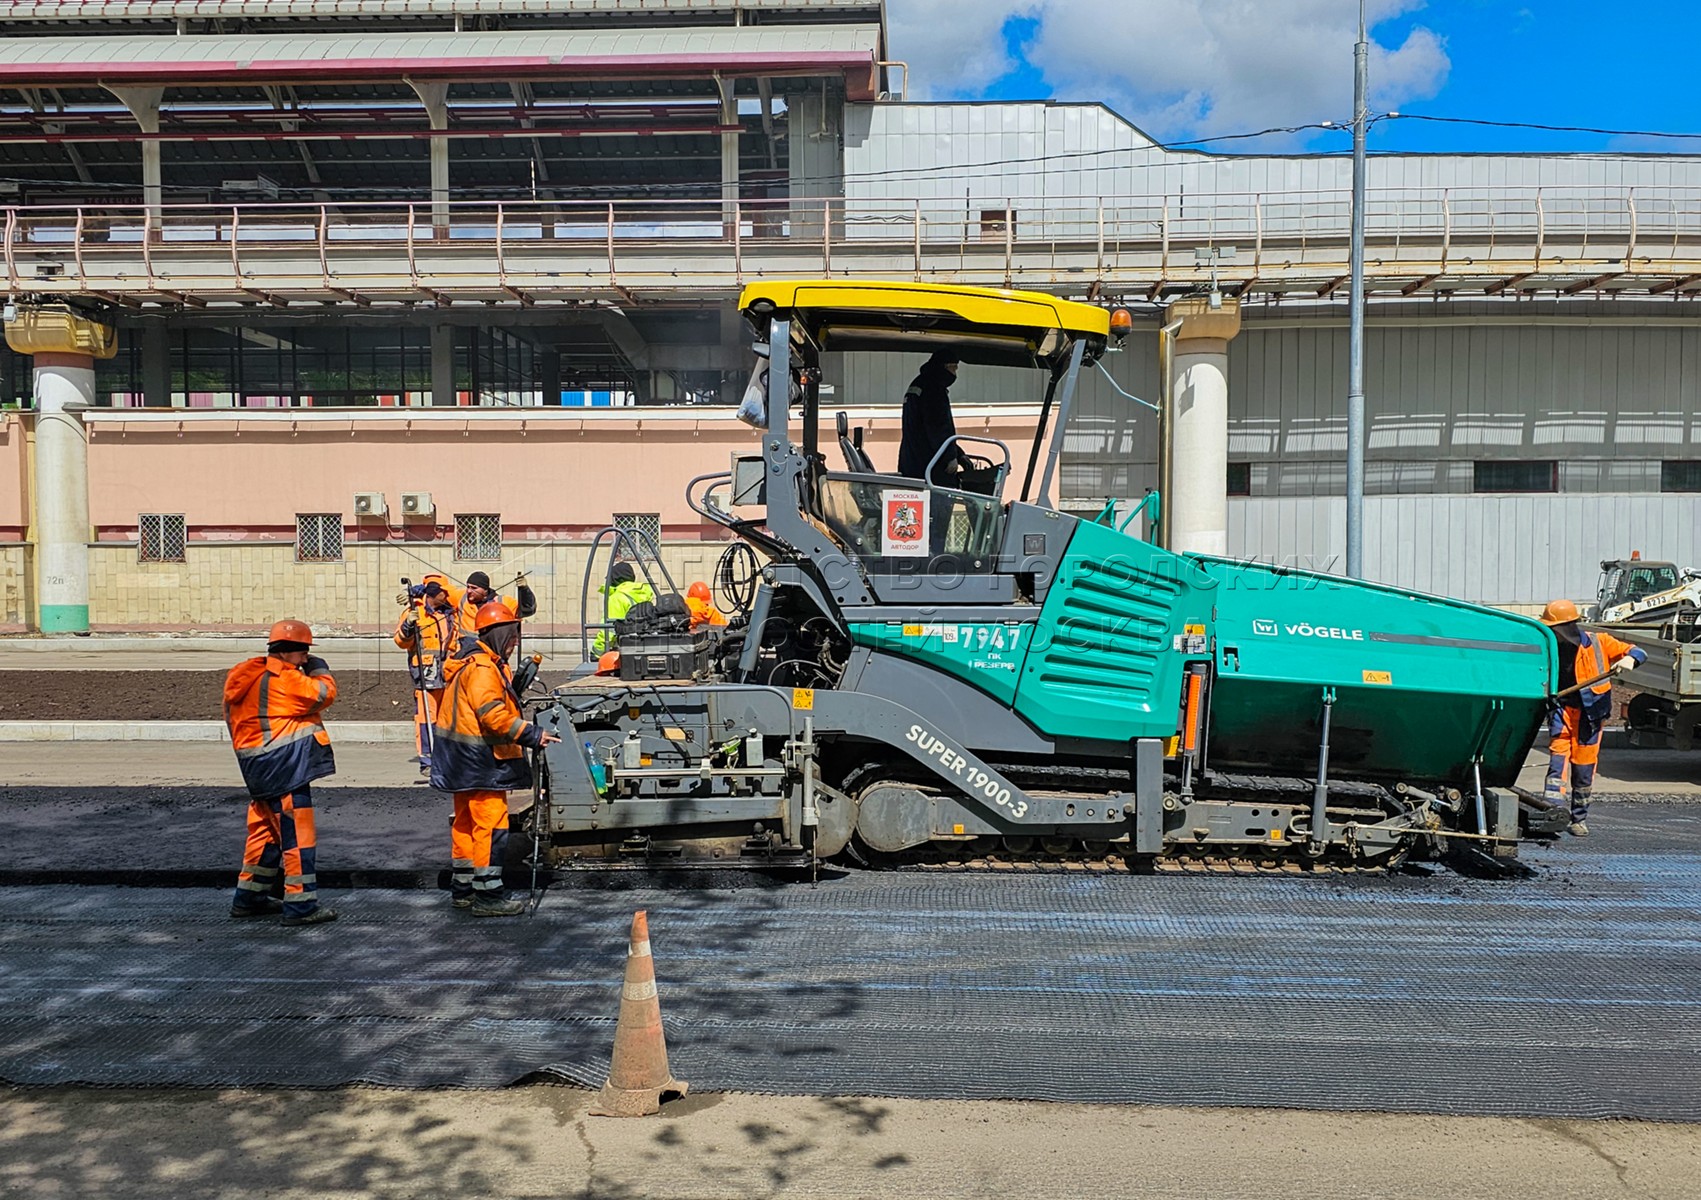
<point x="700" y="591"/>
<point x="609" y="664"/>
<point x="1561" y="612"/>
<point x="291" y="631"/>
<point x="493" y="614"/>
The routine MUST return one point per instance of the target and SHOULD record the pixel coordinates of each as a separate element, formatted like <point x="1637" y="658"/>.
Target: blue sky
<point x="1241" y="65"/>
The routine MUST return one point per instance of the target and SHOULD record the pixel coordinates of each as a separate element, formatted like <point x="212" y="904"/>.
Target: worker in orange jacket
<point x="478" y="593"/>
<point x="1578" y="720"/>
<point x="429" y="629"/>
<point x="480" y="741"/>
<point x="273" y="706"/>
<point x="701" y="602"/>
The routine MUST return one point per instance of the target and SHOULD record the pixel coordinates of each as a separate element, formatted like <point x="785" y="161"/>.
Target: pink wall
<point x="544" y="469"/>
<point x="14" y="479"/>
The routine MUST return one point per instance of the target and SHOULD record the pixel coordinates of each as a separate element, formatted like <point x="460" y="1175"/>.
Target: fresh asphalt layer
<point x="1572" y="992"/>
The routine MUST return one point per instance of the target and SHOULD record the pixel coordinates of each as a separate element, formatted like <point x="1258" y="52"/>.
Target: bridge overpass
<point x="1634" y="242"/>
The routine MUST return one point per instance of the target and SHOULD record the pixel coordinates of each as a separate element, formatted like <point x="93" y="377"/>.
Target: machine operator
<point x="928" y="423"/>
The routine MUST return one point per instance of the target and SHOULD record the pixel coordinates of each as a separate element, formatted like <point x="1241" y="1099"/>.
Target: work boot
<point x="1579" y="829"/>
<point x="319" y="916"/>
<point x="264" y="907"/>
<point x="461" y="901"/>
<point x="497" y="906"/>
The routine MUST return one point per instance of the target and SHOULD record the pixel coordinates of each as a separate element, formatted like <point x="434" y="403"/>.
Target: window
<point x="318" y="537"/>
<point x="160" y="537"/>
<point x="995" y="223"/>
<point x="1240" y="479"/>
<point x="1511" y="475"/>
<point x="1680" y="477"/>
<point x="478" y="537"/>
<point x="644" y="530"/>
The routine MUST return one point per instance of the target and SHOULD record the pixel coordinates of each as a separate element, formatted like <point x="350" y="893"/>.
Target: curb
<point x="370" y="732"/>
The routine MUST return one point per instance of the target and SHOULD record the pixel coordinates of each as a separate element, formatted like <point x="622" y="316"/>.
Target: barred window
<point x="160" y="537"/>
<point x="644" y="529"/>
<point x="478" y="537"/>
<point x="318" y="537"/>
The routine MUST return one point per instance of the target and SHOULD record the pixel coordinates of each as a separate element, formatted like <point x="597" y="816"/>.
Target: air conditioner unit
<point x="417" y="504"/>
<point x="369" y="504"/>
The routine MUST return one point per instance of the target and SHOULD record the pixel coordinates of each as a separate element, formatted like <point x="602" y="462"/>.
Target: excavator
<point x="963" y="672"/>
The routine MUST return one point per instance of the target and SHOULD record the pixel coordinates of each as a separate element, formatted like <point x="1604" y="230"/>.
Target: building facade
<point x="491" y="257"/>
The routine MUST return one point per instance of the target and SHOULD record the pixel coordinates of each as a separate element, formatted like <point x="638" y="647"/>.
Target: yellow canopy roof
<point x="987" y="325"/>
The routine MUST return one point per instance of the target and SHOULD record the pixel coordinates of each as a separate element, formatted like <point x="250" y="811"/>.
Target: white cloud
<point x="1178" y="68"/>
<point x="955" y="48"/>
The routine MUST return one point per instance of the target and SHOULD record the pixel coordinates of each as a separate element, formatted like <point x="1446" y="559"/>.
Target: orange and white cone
<point x="638" y="1077"/>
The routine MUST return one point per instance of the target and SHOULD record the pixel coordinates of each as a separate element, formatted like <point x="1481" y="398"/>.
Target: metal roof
<point x="140" y="10"/>
<point x="252" y="59"/>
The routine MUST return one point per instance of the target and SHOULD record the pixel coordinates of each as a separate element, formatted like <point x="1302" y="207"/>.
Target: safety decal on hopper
<point x="803" y="699"/>
<point x="1379" y="678"/>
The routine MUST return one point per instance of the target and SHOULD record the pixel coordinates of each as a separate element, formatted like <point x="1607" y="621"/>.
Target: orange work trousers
<point x="426" y="702"/>
<point x="281" y="834"/>
<point x="478" y="843"/>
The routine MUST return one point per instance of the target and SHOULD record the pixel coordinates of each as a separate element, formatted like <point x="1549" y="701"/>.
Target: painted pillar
<point x="1198" y="505"/>
<point x="64" y="387"/>
<point x="730" y="165"/>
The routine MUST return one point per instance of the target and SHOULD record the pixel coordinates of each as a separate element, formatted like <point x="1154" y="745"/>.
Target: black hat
<point x="433" y="589"/>
<point x="622" y="573"/>
<point x="479" y="579"/>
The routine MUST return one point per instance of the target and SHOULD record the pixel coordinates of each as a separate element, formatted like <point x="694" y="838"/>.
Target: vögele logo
<point x="1265" y="628"/>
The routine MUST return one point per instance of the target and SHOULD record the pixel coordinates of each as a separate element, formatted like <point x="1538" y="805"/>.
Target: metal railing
<point x="557" y="247"/>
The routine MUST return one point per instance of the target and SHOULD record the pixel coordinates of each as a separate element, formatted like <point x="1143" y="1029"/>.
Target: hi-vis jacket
<point x="273" y="711"/>
<point x="1596" y="655"/>
<point x="480" y="737"/>
<point x="435" y="636"/>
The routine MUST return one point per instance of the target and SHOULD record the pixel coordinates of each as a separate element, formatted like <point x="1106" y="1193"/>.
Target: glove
<point x="527" y="601"/>
<point x="410" y="628"/>
<point x="1627" y="663"/>
<point x="416" y="592"/>
<point x="316" y="666"/>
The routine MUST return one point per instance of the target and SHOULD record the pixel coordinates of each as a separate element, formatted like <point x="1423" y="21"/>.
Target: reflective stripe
<point x="309" y="730"/>
<point x="257" y="869"/>
<point x="265" y="709"/>
<point x="292" y="880"/>
<point x="488" y="706"/>
<point x="640" y="949"/>
<point x="517" y="730"/>
<point x="639" y="991"/>
<point x="249" y="885"/>
<point x="461" y="862"/>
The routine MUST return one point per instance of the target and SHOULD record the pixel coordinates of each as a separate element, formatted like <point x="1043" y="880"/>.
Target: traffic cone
<point x="638" y="1077"/>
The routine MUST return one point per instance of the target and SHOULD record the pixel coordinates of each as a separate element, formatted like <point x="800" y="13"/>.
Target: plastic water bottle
<point x="599" y="775"/>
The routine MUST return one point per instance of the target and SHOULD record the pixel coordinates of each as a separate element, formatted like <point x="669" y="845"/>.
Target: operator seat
<point x="857" y="461"/>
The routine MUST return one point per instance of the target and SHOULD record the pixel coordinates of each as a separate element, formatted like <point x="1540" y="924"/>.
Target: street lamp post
<point x="1355" y="361"/>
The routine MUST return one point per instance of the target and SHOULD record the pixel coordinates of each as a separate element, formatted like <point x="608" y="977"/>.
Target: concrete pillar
<point x="435" y="98"/>
<point x="549" y="376"/>
<point x="64" y="387"/>
<point x="156" y="366"/>
<point x="1198" y="424"/>
<point x="443" y="364"/>
<point x="143" y="104"/>
<point x="729" y="153"/>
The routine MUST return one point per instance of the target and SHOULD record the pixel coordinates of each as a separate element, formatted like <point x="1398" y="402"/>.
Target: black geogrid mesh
<point x="1575" y="993"/>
